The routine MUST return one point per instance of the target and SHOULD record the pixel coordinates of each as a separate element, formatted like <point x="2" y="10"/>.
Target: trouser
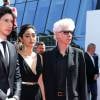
<point x="92" y="90"/>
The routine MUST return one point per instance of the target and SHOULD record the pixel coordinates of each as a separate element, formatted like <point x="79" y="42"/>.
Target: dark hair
<point x="40" y="43"/>
<point x="5" y="10"/>
<point x="24" y="28"/>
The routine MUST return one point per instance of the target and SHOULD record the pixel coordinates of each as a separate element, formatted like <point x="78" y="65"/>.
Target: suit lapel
<point x="70" y="57"/>
<point x="90" y="59"/>
<point x="11" y="57"/>
<point x="70" y="63"/>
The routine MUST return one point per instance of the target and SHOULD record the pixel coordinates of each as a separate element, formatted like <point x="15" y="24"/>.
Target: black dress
<point x="30" y="92"/>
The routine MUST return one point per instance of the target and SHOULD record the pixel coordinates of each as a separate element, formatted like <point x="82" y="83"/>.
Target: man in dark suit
<point x="64" y="67"/>
<point x="10" y="78"/>
<point x="92" y="70"/>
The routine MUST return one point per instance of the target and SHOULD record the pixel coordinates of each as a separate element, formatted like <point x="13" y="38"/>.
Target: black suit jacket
<point x="91" y="69"/>
<point x="10" y="77"/>
<point x="96" y="60"/>
<point x="76" y="76"/>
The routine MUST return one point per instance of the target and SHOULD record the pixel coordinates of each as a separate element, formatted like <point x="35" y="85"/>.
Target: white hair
<point x="66" y="24"/>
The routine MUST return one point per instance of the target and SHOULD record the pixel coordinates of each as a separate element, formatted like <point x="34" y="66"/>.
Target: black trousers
<point x="92" y="90"/>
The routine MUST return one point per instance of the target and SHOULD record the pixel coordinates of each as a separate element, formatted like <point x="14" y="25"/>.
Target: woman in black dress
<point x="30" y="66"/>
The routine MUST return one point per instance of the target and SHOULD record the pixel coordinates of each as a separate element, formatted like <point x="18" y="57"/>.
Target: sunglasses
<point x="67" y="32"/>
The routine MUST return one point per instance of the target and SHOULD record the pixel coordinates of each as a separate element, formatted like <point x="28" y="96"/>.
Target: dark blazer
<point x="91" y="69"/>
<point x="76" y="77"/>
<point x="96" y="61"/>
<point x="10" y="76"/>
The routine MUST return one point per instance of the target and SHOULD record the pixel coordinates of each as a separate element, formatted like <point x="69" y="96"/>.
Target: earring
<point x="19" y="46"/>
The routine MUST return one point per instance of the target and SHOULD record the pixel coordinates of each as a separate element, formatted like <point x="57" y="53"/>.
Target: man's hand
<point x="95" y="76"/>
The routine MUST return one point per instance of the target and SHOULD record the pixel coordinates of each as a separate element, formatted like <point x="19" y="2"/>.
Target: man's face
<point x="93" y="48"/>
<point x="6" y="25"/>
<point x="40" y="49"/>
<point x="64" y="37"/>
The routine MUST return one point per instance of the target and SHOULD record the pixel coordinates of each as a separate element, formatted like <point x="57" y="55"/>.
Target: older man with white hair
<point x="64" y="67"/>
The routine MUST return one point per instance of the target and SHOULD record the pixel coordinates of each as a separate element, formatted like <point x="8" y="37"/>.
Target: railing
<point x="50" y="42"/>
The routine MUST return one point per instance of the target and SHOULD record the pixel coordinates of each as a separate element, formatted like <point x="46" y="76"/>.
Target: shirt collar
<point x="58" y="52"/>
<point x="2" y="40"/>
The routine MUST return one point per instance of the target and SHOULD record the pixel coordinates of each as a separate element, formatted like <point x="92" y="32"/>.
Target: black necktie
<point x="5" y="52"/>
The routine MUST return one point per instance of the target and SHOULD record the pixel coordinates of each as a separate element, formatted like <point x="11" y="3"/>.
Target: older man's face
<point x="64" y="37"/>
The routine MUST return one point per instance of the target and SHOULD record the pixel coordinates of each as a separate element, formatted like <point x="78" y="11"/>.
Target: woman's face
<point x="6" y="25"/>
<point x="29" y="38"/>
